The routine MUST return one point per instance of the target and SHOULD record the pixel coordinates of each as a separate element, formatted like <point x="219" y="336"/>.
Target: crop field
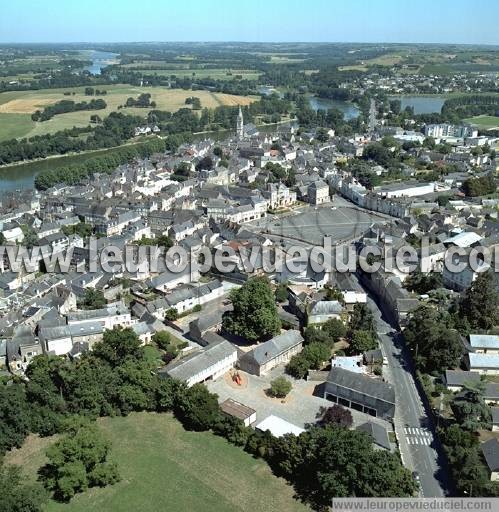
<point x="163" y="467"/>
<point x="16" y="107"/>
<point x="161" y="68"/>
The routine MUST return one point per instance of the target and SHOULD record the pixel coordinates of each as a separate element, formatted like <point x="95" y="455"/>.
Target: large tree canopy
<point x="255" y="313"/>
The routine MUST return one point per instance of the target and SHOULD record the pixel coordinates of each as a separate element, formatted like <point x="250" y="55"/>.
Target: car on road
<point x="333" y="207"/>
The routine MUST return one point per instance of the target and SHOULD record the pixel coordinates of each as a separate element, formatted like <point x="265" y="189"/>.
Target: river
<point x="422" y="104"/>
<point x="99" y="60"/>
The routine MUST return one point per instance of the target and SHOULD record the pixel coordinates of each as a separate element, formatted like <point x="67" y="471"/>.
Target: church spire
<point x="240" y="124"/>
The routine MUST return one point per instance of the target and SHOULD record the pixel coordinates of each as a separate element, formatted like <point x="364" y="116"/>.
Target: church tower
<point x="240" y="125"/>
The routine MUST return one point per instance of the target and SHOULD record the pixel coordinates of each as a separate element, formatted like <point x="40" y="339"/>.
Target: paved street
<point x="414" y="430"/>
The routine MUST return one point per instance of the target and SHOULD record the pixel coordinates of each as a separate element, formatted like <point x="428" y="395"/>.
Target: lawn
<point x="483" y="122"/>
<point x="17" y="106"/>
<point x="163" y="467"/>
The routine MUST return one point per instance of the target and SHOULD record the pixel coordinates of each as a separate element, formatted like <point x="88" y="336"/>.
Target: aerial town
<point x="144" y="315"/>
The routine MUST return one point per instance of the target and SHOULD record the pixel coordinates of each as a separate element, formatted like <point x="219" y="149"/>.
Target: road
<point x="415" y="432"/>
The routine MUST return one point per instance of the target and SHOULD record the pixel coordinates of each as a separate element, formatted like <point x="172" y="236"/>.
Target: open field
<point x="184" y="70"/>
<point x="484" y="122"/>
<point x="27" y="102"/>
<point x="163" y="467"/>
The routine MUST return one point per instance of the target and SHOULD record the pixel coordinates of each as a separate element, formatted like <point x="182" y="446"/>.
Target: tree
<point x="469" y="408"/>
<point x="162" y="339"/>
<point x="335" y="329"/>
<point x="362" y="341"/>
<point x="171" y="314"/>
<point x="362" y="319"/>
<point x="119" y="345"/>
<point x="435" y="346"/>
<point x="93" y="299"/>
<point x="280" y="387"/>
<point x="16" y="494"/>
<point x="281" y="293"/>
<point x="335" y="415"/>
<point x="298" y="366"/>
<point x="254" y="316"/>
<point x="316" y="354"/>
<point x="78" y="461"/>
<point x="480" y="302"/>
<point x="421" y="283"/>
<point x="197" y="408"/>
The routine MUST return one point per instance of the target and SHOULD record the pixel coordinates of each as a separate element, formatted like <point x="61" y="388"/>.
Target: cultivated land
<point x="16" y="107"/>
<point x="163" y="467"/>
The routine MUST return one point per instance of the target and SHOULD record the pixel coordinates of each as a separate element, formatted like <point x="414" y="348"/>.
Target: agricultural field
<point x="483" y="122"/>
<point x="16" y="107"/>
<point x="164" y="467"/>
<point x="182" y="70"/>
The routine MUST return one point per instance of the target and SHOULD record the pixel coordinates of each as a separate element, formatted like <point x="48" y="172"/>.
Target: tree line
<point x="64" y="106"/>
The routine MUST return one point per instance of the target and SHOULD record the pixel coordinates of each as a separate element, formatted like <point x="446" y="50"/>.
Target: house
<point x="455" y="379"/>
<point x="484" y="364"/>
<point x="211" y="322"/>
<point x="278" y="427"/>
<point x="116" y="314"/>
<point x="236" y="409"/>
<point x="484" y="343"/>
<point x="324" y="310"/>
<point x="378" y="434"/>
<point x="360" y="392"/>
<point x="318" y="193"/>
<point x="490" y="451"/>
<point x="207" y="364"/>
<point x="495" y="418"/>
<point x="352" y="292"/>
<point x="491" y="393"/>
<point x="268" y="355"/>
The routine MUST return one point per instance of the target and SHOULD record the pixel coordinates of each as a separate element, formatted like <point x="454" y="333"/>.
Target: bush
<point x="280" y="387"/>
<point x="171" y="315"/>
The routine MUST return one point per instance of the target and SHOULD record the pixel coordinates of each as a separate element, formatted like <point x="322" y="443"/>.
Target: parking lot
<point x="339" y="220"/>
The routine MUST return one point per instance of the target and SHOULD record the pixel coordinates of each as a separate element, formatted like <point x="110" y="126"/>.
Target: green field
<point x="163" y="467"/>
<point x="483" y="122"/>
<point x="16" y="107"/>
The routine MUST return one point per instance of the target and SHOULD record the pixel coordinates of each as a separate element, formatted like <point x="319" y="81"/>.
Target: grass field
<point x="163" y="467"/>
<point x="484" y="122"/>
<point x="16" y="107"/>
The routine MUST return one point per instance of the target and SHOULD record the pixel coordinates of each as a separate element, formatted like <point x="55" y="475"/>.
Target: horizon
<point x="321" y="21"/>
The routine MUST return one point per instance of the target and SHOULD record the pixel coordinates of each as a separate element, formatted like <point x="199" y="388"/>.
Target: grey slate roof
<point x="362" y="384"/>
<point x="490" y="450"/>
<point x="458" y="378"/>
<point x="377" y="432"/>
<point x="193" y="364"/>
<point x="495" y="415"/>
<point x="277" y="345"/>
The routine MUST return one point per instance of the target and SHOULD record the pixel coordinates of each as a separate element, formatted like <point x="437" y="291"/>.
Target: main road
<point x="419" y="447"/>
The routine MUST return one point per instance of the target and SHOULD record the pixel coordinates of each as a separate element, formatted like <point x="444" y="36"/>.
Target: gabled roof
<point x="490" y="450"/>
<point x="486" y="341"/>
<point x="377" y="432"/>
<point x="362" y="384"/>
<point x="274" y="347"/>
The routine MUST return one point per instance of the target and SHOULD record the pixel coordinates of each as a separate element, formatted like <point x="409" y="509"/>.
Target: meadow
<point x="16" y="107"/>
<point x="483" y="122"/>
<point x="164" y="467"/>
